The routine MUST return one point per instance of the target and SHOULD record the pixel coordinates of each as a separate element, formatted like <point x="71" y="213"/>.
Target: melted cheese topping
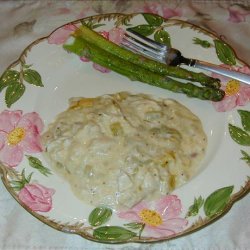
<point x="120" y="149"/>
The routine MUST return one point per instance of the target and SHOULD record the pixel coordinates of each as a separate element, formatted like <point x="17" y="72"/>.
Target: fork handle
<point x="222" y="71"/>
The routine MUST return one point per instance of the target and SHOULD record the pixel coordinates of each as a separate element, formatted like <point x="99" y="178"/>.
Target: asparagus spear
<point x="98" y="40"/>
<point x="135" y="72"/>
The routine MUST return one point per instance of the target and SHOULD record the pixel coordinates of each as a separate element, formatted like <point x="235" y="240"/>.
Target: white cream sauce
<point x="121" y="148"/>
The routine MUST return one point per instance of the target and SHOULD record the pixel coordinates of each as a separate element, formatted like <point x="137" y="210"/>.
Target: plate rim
<point x="197" y="225"/>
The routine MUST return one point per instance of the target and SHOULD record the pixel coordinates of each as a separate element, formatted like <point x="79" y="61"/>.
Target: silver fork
<point x="160" y="52"/>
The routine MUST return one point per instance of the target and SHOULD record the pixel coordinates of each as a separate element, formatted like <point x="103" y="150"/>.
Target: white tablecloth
<point x="22" y="22"/>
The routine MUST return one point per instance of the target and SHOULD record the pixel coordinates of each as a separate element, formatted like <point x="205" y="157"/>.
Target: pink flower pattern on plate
<point x="18" y="134"/>
<point x="61" y="35"/>
<point x="37" y="197"/>
<point x="237" y="94"/>
<point x="161" y="218"/>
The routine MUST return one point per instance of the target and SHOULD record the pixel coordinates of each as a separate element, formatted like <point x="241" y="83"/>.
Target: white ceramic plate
<point x="223" y="177"/>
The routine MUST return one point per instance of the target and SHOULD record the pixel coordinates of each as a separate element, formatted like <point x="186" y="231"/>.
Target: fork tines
<point x="143" y="45"/>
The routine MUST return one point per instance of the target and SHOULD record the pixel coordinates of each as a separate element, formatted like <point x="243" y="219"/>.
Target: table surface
<point x="24" y="21"/>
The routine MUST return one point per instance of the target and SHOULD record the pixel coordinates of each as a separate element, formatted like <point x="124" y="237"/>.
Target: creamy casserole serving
<point x="119" y="149"/>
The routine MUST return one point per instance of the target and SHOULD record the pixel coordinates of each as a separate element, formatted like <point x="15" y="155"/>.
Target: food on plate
<point x="119" y="149"/>
<point x="95" y="47"/>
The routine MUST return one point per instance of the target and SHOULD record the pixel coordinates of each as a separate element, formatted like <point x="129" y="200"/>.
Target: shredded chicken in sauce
<point x="121" y="148"/>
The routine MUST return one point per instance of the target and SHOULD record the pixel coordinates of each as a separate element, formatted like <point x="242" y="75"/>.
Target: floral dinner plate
<point x="38" y="85"/>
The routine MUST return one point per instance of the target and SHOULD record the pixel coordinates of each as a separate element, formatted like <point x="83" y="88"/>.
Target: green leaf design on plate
<point x="113" y="233"/>
<point x="19" y="184"/>
<point x="99" y="216"/>
<point x="91" y="24"/>
<point x="27" y="66"/>
<point x="224" y="53"/>
<point x="245" y="157"/>
<point x="152" y="19"/>
<point x="8" y="77"/>
<point x="37" y="164"/>
<point x="163" y="37"/>
<point x="33" y="77"/>
<point x="143" y="29"/>
<point x="245" y="119"/>
<point x="202" y="43"/>
<point x="13" y="92"/>
<point x="136" y="226"/>
<point x="217" y="201"/>
<point x="239" y="135"/>
<point x="194" y="209"/>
